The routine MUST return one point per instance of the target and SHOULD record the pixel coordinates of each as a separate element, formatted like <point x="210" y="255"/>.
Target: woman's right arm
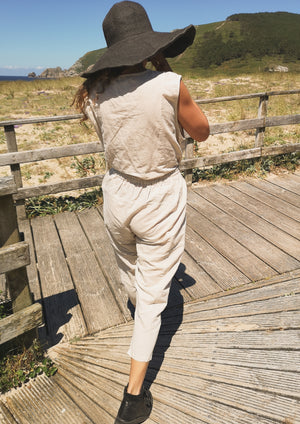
<point x="191" y="117"/>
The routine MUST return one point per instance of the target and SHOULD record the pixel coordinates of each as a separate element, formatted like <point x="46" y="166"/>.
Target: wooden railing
<point x="14" y="257"/>
<point x="14" y="158"/>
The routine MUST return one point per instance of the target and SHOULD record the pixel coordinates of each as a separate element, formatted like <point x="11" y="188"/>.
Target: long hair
<point x="102" y="78"/>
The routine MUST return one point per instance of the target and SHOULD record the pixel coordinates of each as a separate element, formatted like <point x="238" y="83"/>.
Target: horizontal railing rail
<point x="14" y="158"/>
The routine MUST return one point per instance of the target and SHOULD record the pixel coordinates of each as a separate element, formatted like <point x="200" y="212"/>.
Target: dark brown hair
<point x="103" y="78"/>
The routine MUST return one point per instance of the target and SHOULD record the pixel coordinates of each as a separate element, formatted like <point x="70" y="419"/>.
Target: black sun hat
<point x="130" y="38"/>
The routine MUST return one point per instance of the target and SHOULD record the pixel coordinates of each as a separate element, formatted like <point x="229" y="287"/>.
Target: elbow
<point x="203" y="133"/>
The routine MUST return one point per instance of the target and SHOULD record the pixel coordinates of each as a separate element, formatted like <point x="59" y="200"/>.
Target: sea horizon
<point x="17" y="77"/>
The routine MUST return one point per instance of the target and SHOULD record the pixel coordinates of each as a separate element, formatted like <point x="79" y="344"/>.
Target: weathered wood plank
<point x="219" y="268"/>
<point x="62" y="309"/>
<point x="14" y="256"/>
<point x="40" y="119"/>
<point x="270" y="200"/>
<point x="249" y="264"/>
<point x="90" y="220"/>
<point x="248" y="124"/>
<point x="245" y="96"/>
<point x="17" y="281"/>
<point x="50" y="153"/>
<point x="256" y="152"/>
<point x="35" y="404"/>
<point x="265" y="221"/>
<point x="194" y="279"/>
<point x="5" y="415"/>
<point x="289" y="183"/>
<point x="44" y="189"/>
<point x="20" y="322"/>
<point x="269" y="213"/>
<point x="32" y="272"/>
<point x="97" y="301"/>
<point x="265" y="250"/>
<point x="7" y="186"/>
<point x="96" y="404"/>
<point x="269" y="187"/>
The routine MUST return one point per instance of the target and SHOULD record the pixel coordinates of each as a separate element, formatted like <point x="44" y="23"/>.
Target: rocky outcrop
<point x="57" y="73"/>
<point x="278" y="68"/>
<point x="32" y="75"/>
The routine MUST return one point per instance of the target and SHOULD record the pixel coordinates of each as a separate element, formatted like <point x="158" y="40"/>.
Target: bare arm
<point x="191" y="117"/>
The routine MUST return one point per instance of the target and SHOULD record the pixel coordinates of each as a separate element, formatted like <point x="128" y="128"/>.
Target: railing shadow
<point x="56" y="314"/>
<point x="171" y="320"/>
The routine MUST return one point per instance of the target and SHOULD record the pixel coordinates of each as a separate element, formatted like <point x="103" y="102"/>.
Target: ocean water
<point x="15" y="78"/>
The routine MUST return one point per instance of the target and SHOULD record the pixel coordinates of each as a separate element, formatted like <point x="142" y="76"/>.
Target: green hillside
<point x="242" y="43"/>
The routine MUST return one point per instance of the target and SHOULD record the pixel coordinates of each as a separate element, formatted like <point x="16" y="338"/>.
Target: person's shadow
<point x="171" y="319"/>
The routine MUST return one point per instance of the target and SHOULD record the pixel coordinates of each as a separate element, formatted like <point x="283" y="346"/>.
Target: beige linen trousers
<point x="145" y="221"/>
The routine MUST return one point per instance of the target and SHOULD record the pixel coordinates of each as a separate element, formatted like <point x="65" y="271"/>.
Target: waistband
<point x="139" y="181"/>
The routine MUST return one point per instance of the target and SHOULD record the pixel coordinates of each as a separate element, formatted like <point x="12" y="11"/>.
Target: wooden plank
<point x="44" y="189"/>
<point x="244" y="96"/>
<point x="249" y="264"/>
<point x="270" y="200"/>
<point x="32" y="272"/>
<point x="265" y="221"/>
<point x="17" y="281"/>
<point x="283" y="383"/>
<point x="248" y="124"/>
<point x="255" y="204"/>
<point x="265" y="250"/>
<point x="82" y="394"/>
<point x="256" y="402"/>
<point x="219" y="268"/>
<point x="14" y="256"/>
<point x="256" y="152"/>
<point x="5" y="415"/>
<point x="194" y="278"/>
<point x="3" y="287"/>
<point x="90" y="220"/>
<point x="7" y="185"/>
<point x="269" y="187"/>
<point x="62" y="310"/>
<point x="247" y="294"/>
<point x="289" y="183"/>
<point x="20" y="322"/>
<point x="210" y="160"/>
<point x="35" y="404"/>
<point x="97" y="301"/>
<point x="40" y="119"/>
<point x="50" y="153"/>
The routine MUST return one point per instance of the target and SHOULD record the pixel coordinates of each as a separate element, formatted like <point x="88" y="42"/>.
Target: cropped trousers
<point x="146" y="225"/>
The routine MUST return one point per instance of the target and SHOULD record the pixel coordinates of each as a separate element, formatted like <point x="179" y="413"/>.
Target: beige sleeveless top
<point x="136" y="121"/>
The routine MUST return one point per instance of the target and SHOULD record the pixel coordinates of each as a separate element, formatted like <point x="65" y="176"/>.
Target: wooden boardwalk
<point x="228" y="351"/>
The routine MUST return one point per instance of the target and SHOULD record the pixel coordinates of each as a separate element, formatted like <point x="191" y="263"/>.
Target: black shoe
<point x="135" y="409"/>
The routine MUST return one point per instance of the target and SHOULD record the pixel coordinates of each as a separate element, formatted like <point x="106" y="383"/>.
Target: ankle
<point x="134" y="390"/>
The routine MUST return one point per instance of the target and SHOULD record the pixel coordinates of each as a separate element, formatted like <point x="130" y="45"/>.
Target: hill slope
<point x="240" y="41"/>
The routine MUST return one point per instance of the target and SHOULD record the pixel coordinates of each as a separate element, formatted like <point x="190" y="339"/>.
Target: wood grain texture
<point x="14" y="256"/>
<point x="20" y="322"/>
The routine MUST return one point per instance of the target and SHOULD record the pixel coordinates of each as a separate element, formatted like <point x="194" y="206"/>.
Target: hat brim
<point x="143" y="46"/>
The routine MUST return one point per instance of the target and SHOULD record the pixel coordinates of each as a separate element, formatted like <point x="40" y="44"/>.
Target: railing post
<point x="262" y="113"/>
<point x="17" y="280"/>
<point x="12" y="146"/>
<point x="189" y="154"/>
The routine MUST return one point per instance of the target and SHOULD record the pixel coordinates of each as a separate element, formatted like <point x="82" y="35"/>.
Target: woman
<point x="139" y="116"/>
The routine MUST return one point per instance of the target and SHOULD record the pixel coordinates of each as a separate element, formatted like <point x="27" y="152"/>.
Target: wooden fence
<point x="14" y="158"/>
<point x="14" y="257"/>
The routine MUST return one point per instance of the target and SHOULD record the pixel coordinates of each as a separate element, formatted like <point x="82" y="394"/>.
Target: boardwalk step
<point x="224" y="360"/>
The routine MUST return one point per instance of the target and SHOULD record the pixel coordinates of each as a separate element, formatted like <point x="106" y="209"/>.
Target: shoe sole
<point x="135" y="421"/>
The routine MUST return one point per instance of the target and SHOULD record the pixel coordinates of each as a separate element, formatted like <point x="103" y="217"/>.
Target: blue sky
<point x="36" y="35"/>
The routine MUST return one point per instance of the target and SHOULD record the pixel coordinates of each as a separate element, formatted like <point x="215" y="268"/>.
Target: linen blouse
<point x="135" y="118"/>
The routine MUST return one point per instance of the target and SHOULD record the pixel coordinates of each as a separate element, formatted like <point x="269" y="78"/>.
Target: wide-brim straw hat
<point x="131" y="40"/>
